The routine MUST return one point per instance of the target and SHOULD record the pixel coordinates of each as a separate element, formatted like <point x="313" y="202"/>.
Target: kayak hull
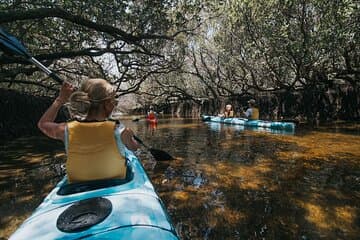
<point x="137" y="212"/>
<point x="251" y="123"/>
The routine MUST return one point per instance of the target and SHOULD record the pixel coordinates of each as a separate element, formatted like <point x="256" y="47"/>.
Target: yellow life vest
<point x="255" y="114"/>
<point x="229" y="114"/>
<point x="92" y="152"/>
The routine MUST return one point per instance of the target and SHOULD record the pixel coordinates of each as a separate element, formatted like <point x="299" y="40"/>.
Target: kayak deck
<point x="137" y="212"/>
<point x="251" y="123"/>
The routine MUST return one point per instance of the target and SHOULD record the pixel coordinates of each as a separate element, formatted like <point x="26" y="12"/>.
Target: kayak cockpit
<point x="72" y="188"/>
<point x="130" y="209"/>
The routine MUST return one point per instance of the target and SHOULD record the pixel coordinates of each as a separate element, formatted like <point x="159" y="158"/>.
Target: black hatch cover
<point x="84" y="214"/>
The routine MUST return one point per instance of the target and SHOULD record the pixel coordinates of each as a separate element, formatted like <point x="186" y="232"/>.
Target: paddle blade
<point x="160" y="155"/>
<point x="11" y="45"/>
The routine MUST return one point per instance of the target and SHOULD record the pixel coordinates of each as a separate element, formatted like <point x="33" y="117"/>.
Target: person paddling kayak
<point x="252" y="113"/>
<point x="92" y="142"/>
<point x="151" y="115"/>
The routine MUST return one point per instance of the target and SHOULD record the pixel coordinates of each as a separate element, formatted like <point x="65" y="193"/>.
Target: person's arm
<point x="46" y="123"/>
<point x="232" y="114"/>
<point x="242" y="113"/>
<point x="248" y="112"/>
<point x="128" y="140"/>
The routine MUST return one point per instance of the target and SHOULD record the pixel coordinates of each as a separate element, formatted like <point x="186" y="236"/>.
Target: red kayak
<point x="151" y="117"/>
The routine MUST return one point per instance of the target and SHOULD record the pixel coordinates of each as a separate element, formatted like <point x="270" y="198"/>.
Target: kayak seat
<point x="79" y="187"/>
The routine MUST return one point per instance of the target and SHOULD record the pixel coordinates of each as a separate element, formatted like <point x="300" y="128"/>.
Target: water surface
<point x="227" y="182"/>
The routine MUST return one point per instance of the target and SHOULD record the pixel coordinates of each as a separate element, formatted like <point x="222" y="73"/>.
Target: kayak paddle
<point x="11" y="45"/>
<point x="159" y="155"/>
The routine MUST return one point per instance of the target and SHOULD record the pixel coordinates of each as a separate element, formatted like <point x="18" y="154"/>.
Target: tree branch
<point x="40" y="13"/>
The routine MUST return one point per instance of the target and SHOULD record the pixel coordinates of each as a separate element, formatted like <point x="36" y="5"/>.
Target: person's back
<point x="95" y="146"/>
<point x="252" y="113"/>
<point x="151" y="115"/>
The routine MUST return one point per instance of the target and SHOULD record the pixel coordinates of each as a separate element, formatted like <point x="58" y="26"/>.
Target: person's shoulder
<point x="71" y="122"/>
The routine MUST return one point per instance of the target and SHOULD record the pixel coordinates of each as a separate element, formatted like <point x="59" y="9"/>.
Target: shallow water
<point x="226" y="182"/>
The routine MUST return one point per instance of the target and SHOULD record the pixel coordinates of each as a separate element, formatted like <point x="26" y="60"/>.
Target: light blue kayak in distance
<point x="251" y="123"/>
<point x="130" y="209"/>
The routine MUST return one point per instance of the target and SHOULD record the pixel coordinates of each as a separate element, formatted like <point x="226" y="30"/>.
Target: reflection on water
<point x="227" y="182"/>
<point x="29" y="169"/>
<point x="152" y="127"/>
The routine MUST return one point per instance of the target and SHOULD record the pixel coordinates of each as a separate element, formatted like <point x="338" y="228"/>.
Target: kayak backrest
<point x="79" y="187"/>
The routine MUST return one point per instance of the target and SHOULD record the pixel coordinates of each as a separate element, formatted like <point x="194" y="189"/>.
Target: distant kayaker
<point x="92" y="142"/>
<point x="252" y="112"/>
<point x="228" y="112"/>
<point x="151" y="115"/>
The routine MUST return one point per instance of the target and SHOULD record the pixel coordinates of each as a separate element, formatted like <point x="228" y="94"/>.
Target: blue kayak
<point x="251" y="123"/>
<point x="104" y="209"/>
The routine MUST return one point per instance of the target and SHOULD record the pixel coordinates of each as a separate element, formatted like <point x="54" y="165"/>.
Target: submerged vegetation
<point x="225" y="183"/>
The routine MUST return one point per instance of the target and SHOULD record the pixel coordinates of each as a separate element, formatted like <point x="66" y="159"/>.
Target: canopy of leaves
<point x="187" y="49"/>
<point x="122" y="41"/>
<point x="247" y="47"/>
